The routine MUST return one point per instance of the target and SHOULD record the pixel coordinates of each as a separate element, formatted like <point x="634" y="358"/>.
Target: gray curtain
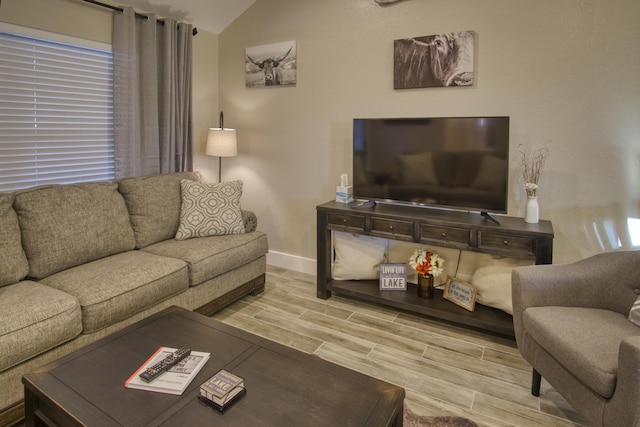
<point x="152" y="95"/>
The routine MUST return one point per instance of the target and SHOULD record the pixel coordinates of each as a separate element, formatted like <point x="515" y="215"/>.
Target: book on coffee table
<point x="222" y="389"/>
<point x="173" y="381"/>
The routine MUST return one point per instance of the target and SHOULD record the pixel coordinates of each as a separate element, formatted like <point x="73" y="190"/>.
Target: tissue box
<point x="344" y="194"/>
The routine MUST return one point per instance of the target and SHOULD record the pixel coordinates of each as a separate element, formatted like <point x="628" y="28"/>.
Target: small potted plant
<point x="428" y="265"/>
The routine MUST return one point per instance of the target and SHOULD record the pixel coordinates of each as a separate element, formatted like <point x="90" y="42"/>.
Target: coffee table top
<point x="284" y="386"/>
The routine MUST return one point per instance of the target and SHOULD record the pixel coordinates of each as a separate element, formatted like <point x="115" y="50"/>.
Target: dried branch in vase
<point x="532" y="165"/>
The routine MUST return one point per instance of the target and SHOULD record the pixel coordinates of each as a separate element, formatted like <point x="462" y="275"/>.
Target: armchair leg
<point x="535" y="383"/>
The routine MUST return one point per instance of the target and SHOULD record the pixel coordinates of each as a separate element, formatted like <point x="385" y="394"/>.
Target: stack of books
<point x="221" y="390"/>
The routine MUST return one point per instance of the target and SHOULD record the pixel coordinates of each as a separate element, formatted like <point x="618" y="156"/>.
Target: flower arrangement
<point x="425" y="262"/>
<point x="532" y="165"/>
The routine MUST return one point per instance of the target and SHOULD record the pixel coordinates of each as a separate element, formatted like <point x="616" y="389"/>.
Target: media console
<point x="443" y="228"/>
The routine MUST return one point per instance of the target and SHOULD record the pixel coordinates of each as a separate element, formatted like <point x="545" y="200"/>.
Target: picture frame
<point x="438" y="60"/>
<point x="393" y="277"/>
<point x="460" y="293"/>
<point x="272" y="64"/>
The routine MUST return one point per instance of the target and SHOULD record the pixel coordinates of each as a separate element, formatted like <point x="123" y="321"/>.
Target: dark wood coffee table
<point x="284" y="386"/>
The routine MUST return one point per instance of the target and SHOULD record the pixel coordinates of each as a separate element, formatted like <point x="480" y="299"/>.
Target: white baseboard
<point x="292" y="262"/>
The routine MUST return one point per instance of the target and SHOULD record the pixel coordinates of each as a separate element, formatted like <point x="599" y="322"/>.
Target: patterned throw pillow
<point x="210" y="209"/>
<point x="634" y="313"/>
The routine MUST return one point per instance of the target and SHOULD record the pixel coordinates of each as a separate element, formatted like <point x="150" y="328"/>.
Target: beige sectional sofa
<point x="80" y="261"/>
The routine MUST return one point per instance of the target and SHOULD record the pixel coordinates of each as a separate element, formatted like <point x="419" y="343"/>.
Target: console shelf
<point x="453" y="229"/>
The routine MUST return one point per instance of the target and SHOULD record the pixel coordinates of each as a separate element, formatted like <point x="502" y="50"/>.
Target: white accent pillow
<point x="493" y="281"/>
<point x="210" y="209"/>
<point x="357" y="257"/>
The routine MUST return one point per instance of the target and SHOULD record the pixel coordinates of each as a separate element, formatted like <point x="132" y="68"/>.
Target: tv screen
<point x="452" y="162"/>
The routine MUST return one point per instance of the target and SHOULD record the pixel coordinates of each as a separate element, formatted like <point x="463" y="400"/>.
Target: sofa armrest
<point x="250" y="221"/>
<point x="624" y="409"/>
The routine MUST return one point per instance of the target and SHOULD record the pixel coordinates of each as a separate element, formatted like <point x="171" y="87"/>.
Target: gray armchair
<point x="571" y="325"/>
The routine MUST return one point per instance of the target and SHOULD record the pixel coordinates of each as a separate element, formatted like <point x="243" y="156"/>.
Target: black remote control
<point x="165" y="364"/>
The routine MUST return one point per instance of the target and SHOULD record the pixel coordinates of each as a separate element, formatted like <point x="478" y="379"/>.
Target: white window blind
<point x="56" y="113"/>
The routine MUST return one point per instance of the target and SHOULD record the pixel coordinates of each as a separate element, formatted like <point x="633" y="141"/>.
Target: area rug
<point x="414" y="420"/>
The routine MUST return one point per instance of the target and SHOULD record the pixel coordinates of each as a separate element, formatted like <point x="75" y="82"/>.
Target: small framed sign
<point x="460" y="293"/>
<point x="393" y="277"/>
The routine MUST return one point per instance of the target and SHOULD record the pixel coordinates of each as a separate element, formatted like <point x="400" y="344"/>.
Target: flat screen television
<point x="449" y="162"/>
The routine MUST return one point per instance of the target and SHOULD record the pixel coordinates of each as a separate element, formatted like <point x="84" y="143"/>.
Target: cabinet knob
<point x="391" y="227"/>
<point x="444" y="234"/>
<point x="344" y="220"/>
<point x="506" y="242"/>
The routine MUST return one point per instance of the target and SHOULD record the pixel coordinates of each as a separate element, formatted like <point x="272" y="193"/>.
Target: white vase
<point x="531" y="210"/>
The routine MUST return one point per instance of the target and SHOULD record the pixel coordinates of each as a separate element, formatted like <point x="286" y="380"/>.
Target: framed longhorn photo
<point x="434" y="61"/>
<point x="271" y="64"/>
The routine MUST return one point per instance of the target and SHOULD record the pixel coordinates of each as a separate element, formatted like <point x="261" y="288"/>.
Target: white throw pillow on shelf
<point x="492" y="278"/>
<point x="357" y="257"/>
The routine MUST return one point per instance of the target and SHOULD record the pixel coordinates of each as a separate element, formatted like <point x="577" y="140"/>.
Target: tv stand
<point x="489" y="217"/>
<point x="436" y="227"/>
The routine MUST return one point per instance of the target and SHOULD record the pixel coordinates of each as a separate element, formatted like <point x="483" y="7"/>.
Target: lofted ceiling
<point x="208" y="15"/>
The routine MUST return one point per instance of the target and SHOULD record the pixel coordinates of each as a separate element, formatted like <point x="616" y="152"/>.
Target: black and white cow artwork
<point x="271" y="67"/>
<point x="438" y="60"/>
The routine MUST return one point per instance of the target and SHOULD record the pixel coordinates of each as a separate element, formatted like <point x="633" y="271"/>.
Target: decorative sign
<point x="393" y="277"/>
<point x="460" y="292"/>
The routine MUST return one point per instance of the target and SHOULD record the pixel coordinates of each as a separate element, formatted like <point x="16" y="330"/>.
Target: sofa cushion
<point x="13" y="262"/>
<point x="209" y="257"/>
<point x="154" y="205"/>
<point x="210" y="209"/>
<point x="114" y="288"/>
<point x="68" y="225"/>
<point x="585" y="341"/>
<point x="35" y="318"/>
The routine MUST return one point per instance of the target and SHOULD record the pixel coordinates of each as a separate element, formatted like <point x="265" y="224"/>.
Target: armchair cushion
<point x="584" y="340"/>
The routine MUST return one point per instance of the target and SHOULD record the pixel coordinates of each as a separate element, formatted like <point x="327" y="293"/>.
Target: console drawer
<point x="346" y="222"/>
<point x="507" y="242"/>
<point x="445" y="234"/>
<point x="402" y="230"/>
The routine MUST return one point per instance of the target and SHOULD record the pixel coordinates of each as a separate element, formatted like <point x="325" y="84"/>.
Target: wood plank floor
<point x="445" y="369"/>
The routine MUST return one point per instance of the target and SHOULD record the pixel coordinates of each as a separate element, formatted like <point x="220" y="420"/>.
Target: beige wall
<point x="565" y="71"/>
<point x="83" y="20"/>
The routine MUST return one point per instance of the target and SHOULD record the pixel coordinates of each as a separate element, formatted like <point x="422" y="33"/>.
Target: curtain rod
<point x="119" y="9"/>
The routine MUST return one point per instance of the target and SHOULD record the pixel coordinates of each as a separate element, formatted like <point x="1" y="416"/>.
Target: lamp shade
<point x="221" y="142"/>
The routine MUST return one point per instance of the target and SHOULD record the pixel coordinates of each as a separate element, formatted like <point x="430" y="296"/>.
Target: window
<point x="56" y="112"/>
